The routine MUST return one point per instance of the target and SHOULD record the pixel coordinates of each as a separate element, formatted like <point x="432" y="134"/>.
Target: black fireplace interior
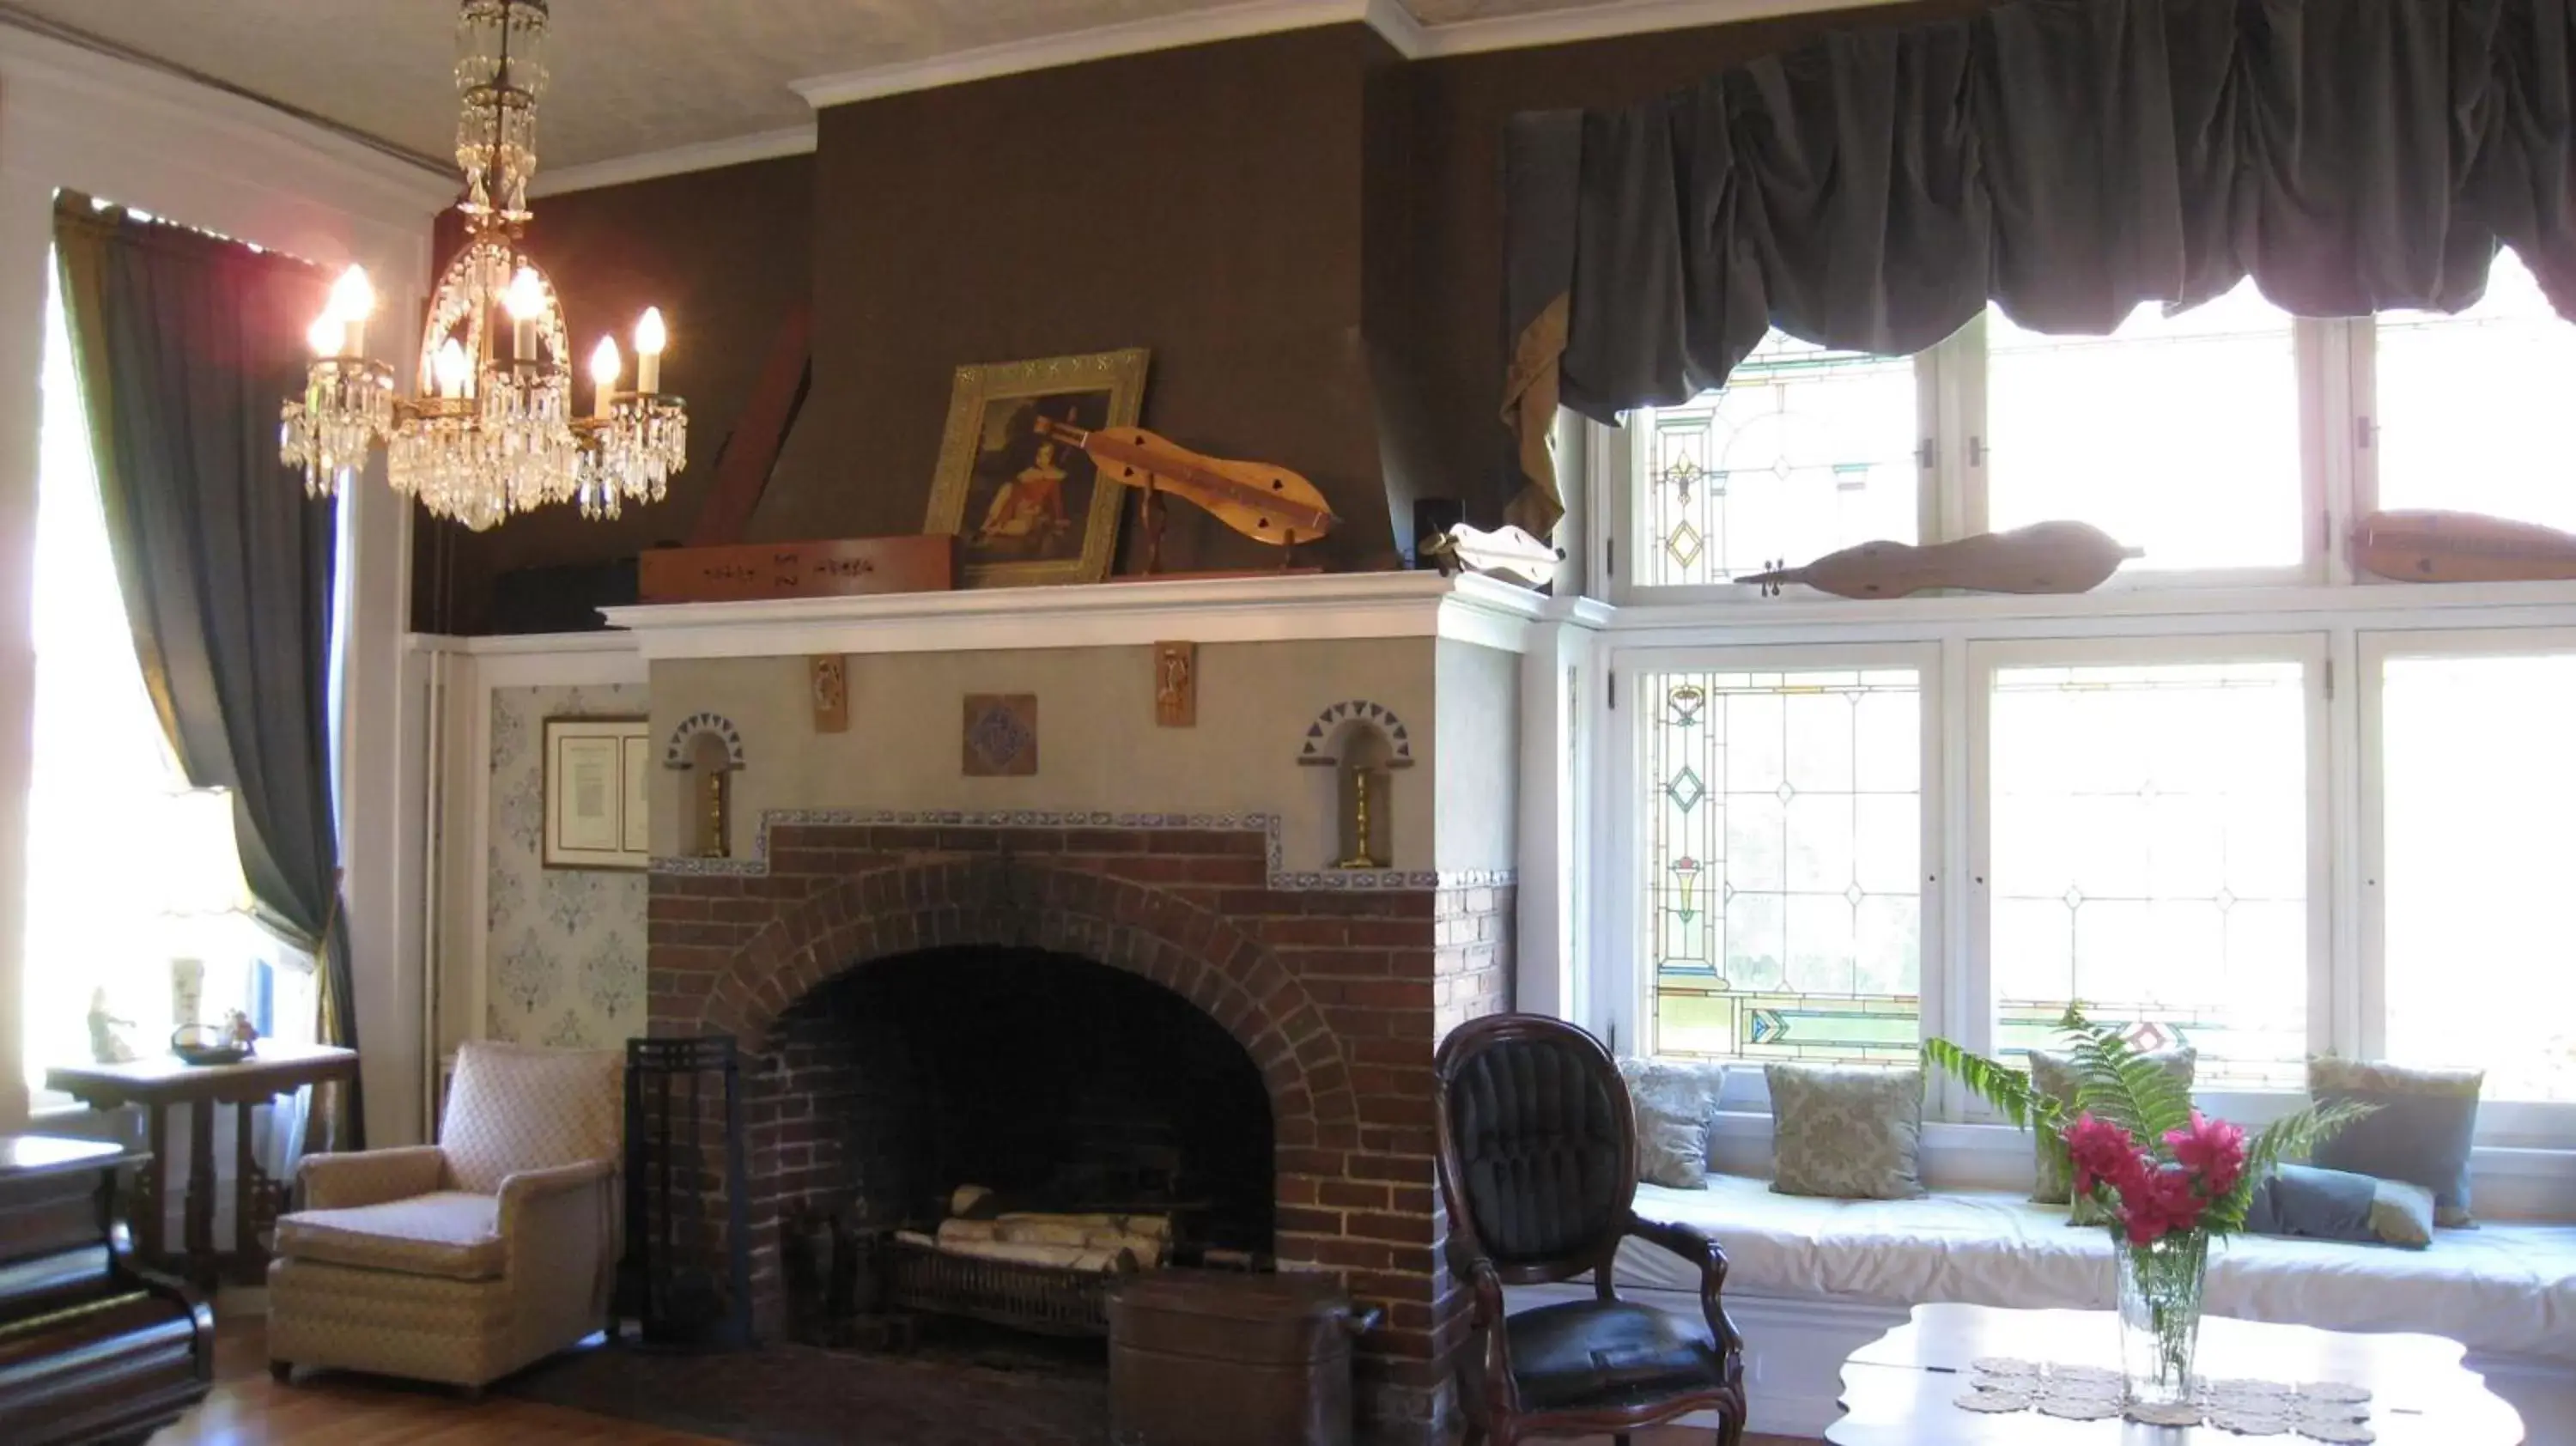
<point x="1060" y="1083"/>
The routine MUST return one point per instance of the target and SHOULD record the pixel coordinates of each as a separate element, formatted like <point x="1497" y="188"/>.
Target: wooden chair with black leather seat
<point x="1538" y="1163"/>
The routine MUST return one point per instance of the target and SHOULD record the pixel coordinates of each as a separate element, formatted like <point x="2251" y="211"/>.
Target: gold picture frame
<point x="1025" y="510"/>
<point x="596" y="774"/>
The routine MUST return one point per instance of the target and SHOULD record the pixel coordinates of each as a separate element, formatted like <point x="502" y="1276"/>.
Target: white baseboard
<point x="1794" y="1348"/>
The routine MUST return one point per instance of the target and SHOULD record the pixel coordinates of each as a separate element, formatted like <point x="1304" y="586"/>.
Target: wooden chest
<point x="1212" y="1358"/>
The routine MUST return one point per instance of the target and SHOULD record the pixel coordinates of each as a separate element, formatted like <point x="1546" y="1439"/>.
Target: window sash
<point x="1951" y="397"/>
<point x="2525" y="1122"/>
<point x="1987" y="659"/>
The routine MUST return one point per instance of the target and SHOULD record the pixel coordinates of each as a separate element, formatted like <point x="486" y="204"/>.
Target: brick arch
<point x="1155" y="933"/>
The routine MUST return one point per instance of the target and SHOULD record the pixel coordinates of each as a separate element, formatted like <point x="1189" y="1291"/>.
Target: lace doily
<point x="2320" y="1411"/>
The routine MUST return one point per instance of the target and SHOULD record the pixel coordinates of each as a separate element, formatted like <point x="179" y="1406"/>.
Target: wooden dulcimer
<point x="2460" y="547"/>
<point x="1265" y="503"/>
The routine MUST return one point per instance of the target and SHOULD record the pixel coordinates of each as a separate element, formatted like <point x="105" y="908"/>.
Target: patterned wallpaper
<point x="564" y="948"/>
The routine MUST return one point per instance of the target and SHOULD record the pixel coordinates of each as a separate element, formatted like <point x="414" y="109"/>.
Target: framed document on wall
<point x="595" y="793"/>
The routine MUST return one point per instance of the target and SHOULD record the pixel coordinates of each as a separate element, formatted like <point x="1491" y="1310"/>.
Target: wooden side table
<point x="1899" y="1389"/>
<point x="158" y="1084"/>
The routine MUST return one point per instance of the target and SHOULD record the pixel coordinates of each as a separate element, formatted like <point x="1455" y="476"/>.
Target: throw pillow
<point x="2420" y="1132"/>
<point x="1674" y="1101"/>
<point x="2053" y="1074"/>
<point x="2316" y="1204"/>
<point x="1852" y="1133"/>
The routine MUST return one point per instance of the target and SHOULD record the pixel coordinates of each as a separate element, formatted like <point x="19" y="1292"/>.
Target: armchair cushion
<point x="369" y="1177"/>
<point x="1595" y="1353"/>
<point x="447" y="1233"/>
<point x="514" y="1107"/>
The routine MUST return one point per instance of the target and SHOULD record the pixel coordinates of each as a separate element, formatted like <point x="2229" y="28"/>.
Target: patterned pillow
<point x="1674" y="1100"/>
<point x="1852" y="1133"/>
<point x="2053" y="1074"/>
<point x="2420" y="1131"/>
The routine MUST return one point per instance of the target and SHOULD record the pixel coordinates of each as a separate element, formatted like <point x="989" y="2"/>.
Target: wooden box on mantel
<point x="841" y="568"/>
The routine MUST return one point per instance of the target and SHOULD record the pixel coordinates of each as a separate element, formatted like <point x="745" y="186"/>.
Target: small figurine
<point x="106" y="1046"/>
<point x="239" y="1030"/>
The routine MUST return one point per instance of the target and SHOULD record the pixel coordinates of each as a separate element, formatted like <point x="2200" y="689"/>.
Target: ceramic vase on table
<point x="2160" y="1289"/>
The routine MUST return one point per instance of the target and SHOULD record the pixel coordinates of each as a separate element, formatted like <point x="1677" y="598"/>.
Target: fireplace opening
<point x="1057" y="1084"/>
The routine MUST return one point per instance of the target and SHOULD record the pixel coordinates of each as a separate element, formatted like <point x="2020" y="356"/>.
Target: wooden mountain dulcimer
<point x="1265" y="503"/>
<point x="2460" y="547"/>
<point x="2045" y="557"/>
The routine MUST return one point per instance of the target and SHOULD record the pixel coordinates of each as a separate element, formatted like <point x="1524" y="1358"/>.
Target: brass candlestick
<point x="1362" y="857"/>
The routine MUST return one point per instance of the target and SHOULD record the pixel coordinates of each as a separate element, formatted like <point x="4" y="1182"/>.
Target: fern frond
<point x="2117" y="1083"/>
<point x="2007" y="1089"/>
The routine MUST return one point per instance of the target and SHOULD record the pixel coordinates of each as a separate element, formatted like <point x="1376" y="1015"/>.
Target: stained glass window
<point x="1804" y="451"/>
<point x="2179" y="434"/>
<point x="1783" y="895"/>
<point x="2479" y="785"/>
<point x="2473" y="412"/>
<point x="2149" y="856"/>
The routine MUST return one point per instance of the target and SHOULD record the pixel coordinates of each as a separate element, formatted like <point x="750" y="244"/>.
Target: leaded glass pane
<point x="2148" y="856"/>
<point x="2178" y="434"/>
<point x="2479" y="786"/>
<point x="2473" y="412"/>
<point x="1785" y="822"/>
<point x="1802" y="452"/>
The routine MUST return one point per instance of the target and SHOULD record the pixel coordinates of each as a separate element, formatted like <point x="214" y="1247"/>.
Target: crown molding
<point x="1391" y="19"/>
<point x="1046" y="52"/>
<point x="1604" y="22"/>
<point x="678" y="160"/>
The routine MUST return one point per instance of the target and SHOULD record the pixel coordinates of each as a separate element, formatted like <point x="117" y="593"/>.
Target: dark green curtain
<point x="186" y="344"/>
<point x="2068" y="159"/>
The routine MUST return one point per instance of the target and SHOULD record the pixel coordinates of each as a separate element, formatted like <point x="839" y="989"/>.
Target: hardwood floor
<point x="337" y="1409"/>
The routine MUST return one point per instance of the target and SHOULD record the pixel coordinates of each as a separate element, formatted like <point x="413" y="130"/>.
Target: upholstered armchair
<point x="1538" y="1163"/>
<point x="468" y="1259"/>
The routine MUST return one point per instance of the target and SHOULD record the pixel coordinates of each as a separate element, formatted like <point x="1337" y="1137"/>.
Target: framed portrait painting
<point x="1026" y="508"/>
<point x="595" y="773"/>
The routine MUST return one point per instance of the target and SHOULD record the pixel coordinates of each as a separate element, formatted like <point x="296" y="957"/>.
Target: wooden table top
<point x="272" y="1070"/>
<point x="1899" y="1389"/>
<point x="23" y="1156"/>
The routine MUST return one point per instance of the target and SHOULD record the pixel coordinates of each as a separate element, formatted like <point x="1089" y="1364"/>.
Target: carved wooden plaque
<point x="1176" y="685"/>
<point x="843" y="568"/>
<point x="828" y="677"/>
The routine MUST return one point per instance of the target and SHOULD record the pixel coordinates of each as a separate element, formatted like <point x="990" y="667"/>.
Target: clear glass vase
<point x="2160" y="1316"/>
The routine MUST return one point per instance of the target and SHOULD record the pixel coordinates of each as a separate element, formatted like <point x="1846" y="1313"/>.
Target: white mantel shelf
<point x="1285" y="608"/>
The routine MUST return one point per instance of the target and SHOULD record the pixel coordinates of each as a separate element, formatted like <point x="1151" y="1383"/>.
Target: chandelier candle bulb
<point x="650" y="338"/>
<point x="526" y="302"/>
<point x="325" y="336"/>
<point x="604" y="366"/>
<point x="352" y="297"/>
<point x="451" y="369"/>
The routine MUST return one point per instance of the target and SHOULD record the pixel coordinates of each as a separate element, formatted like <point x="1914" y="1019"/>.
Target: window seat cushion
<point x="2502" y="1287"/>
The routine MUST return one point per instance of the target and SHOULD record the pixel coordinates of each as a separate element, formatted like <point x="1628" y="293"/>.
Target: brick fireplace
<point x="1200" y="861"/>
<point x="1338" y="997"/>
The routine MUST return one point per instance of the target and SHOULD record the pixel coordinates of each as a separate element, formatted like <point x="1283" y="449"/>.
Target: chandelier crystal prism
<point x="491" y="428"/>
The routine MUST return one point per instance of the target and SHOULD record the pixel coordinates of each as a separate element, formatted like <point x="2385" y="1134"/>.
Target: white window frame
<point x="2312" y="651"/>
<point x="2500" y="1122"/>
<point x="1624" y="1003"/>
<point x="2336" y="465"/>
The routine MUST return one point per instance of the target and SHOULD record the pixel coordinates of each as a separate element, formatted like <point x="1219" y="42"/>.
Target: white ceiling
<point x="633" y="77"/>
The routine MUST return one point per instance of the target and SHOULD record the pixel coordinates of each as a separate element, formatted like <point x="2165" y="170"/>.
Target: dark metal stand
<point x="683" y="1107"/>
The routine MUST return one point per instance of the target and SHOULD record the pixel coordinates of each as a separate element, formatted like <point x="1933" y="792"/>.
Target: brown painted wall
<point x="1204" y="203"/>
<point x="725" y="254"/>
<point x="1304" y="229"/>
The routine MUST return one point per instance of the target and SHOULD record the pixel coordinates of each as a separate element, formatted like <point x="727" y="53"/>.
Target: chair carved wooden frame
<point x="1538" y="1166"/>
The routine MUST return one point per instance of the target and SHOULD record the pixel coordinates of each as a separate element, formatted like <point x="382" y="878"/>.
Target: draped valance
<point x="2067" y="159"/>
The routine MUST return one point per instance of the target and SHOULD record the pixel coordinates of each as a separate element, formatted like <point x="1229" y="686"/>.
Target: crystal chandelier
<point x="492" y="428"/>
